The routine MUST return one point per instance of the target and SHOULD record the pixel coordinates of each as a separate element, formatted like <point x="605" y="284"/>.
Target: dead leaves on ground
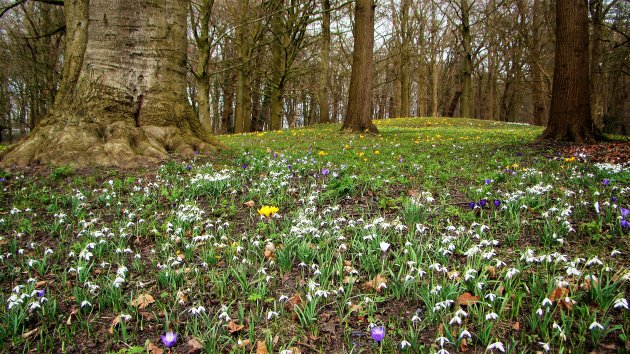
<point x="561" y="295"/>
<point x="142" y="301"/>
<point x="233" y="327"/>
<point x="378" y="283"/>
<point x="467" y="299"/>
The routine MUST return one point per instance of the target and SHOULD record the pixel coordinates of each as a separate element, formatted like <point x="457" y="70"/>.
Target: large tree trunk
<point x="467" y="64"/>
<point x="323" y="97"/>
<point x="122" y="100"/>
<point x="359" y="114"/>
<point x="570" y="112"/>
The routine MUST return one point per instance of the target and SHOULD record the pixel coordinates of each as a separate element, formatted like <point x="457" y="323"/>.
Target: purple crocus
<point x="472" y="205"/>
<point x="41" y="292"/>
<point x="377" y="333"/>
<point x="325" y="172"/>
<point x="613" y="199"/>
<point x="487" y="181"/>
<point x="625" y="213"/>
<point x="244" y="166"/>
<point x="196" y="152"/>
<point x="497" y="203"/>
<point x="188" y="168"/>
<point x="606" y="181"/>
<point x="624" y="224"/>
<point x="483" y="203"/>
<point x="169" y="339"/>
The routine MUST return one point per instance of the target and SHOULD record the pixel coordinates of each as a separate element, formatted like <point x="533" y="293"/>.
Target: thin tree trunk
<point x="324" y="115"/>
<point x="466" y="96"/>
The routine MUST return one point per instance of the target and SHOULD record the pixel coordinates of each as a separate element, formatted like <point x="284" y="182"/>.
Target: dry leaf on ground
<point x="467" y="299"/>
<point x="261" y="347"/>
<point x="154" y="349"/>
<point x="142" y="301"/>
<point x="233" y="327"/>
<point x="378" y="283"/>
<point x="194" y="346"/>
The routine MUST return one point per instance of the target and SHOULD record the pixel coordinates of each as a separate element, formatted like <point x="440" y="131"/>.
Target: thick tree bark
<point x="570" y="112"/>
<point x="122" y="100"/>
<point x="359" y="114"/>
<point x="324" y="112"/>
<point x="467" y="64"/>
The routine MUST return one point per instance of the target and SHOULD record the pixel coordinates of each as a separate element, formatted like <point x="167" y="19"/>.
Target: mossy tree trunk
<point x="122" y="100"/>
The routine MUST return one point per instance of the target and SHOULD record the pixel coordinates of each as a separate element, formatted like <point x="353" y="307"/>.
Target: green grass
<point x="386" y="230"/>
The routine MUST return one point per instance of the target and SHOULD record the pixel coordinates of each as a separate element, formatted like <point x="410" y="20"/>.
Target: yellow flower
<point x="377" y="152"/>
<point x="322" y="153"/>
<point x="569" y="159"/>
<point x="268" y="211"/>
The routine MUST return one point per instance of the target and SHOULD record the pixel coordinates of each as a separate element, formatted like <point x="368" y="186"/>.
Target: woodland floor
<point x="434" y="228"/>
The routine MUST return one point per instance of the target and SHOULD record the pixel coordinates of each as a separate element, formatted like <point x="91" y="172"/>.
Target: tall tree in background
<point x="359" y="114"/>
<point x="323" y="97"/>
<point x="570" y="113"/>
<point x="122" y="100"/>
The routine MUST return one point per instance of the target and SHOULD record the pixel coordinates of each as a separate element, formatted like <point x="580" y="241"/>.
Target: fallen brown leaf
<point x="115" y="322"/>
<point x="270" y="249"/>
<point x="516" y="326"/>
<point x="261" y="347"/>
<point x="233" y="327"/>
<point x="30" y="333"/>
<point x="142" y="301"/>
<point x="154" y="349"/>
<point x="249" y="203"/>
<point x="376" y="284"/>
<point x="194" y="346"/>
<point x="464" y="345"/>
<point x="467" y="299"/>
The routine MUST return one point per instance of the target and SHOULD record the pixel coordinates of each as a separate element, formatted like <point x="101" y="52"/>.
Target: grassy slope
<point x="182" y="234"/>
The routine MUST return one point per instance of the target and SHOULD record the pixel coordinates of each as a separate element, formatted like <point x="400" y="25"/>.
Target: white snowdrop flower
<point x="442" y="351"/>
<point x="118" y="282"/>
<point x="491" y="316"/>
<point x="555" y="325"/>
<point x="409" y="278"/>
<point x="615" y="253"/>
<point x="594" y="325"/>
<point x="593" y="261"/>
<point x="540" y="312"/>
<point x="621" y="303"/>
<point x="415" y="319"/>
<point x="490" y="297"/>
<point x="283" y="298"/>
<point x="384" y="246"/>
<point x="404" y="344"/>
<point x="545" y="346"/>
<point x="470" y="274"/>
<point x="496" y="345"/>
<point x="547" y="302"/>
<point x="48" y="251"/>
<point x="34" y="306"/>
<point x="461" y="313"/>
<point x="464" y="334"/>
<point x="455" y="319"/>
<point x="573" y="271"/>
<point x="271" y="314"/>
<point x="442" y="341"/>
<point x="85" y="303"/>
<point x="511" y="272"/>
<point x="480" y="285"/>
<point x="596" y="206"/>
<point x="322" y="293"/>
<point x="436" y="289"/>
